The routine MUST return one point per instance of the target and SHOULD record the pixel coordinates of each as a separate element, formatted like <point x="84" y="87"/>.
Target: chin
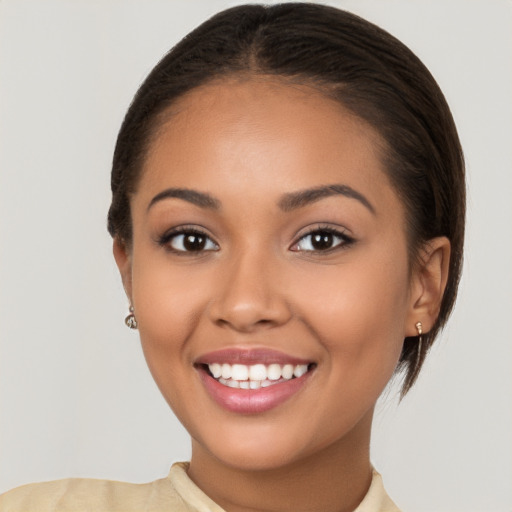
<point x="270" y="446"/>
<point x="271" y="459"/>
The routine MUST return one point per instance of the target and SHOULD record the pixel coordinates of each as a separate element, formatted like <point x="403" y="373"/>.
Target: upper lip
<point x="250" y="356"/>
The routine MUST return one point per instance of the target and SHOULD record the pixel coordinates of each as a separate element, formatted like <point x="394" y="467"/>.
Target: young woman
<point x="288" y="219"/>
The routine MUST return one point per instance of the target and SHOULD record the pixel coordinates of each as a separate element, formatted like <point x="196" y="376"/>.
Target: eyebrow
<point x="288" y="202"/>
<point x="305" y="197"/>
<point x="200" y="199"/>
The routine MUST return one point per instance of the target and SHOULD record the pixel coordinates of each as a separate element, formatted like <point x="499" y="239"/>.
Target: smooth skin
<point x="254" y="277"/>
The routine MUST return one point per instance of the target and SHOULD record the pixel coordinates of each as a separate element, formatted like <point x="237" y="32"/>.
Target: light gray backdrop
<point x="76" y="398"/>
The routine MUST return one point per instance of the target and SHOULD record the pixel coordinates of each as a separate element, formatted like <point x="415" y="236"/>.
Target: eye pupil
<point x="322" y="240"/>
<point x="194" y="242"/>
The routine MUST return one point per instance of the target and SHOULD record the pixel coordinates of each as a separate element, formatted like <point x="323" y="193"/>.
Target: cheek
<point x="167" y="295"/>
<point x="358" y="311"/>
<point x="168" y="303"/>
<point x="358" y="314"/>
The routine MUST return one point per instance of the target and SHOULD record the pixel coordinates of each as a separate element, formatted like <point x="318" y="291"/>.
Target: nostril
<point x="265" y="321"/>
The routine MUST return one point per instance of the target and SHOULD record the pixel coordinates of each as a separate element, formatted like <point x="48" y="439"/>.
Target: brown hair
<point x="347" y="58"/>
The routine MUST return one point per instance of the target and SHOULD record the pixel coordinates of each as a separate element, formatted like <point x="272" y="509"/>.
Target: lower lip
<point x="252" y="401"/>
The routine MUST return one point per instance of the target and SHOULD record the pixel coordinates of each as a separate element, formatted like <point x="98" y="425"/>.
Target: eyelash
<point x="165" y="240"/>
<point x="344" y="240"/>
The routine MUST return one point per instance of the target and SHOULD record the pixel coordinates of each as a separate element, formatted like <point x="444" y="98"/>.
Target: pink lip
<point x="250" y="401"/>
<point x="249" y="356"/>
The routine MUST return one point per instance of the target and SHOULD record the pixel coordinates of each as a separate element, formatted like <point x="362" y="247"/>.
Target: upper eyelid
<point x="179" y="230"/>
<point x="335" y="230"/>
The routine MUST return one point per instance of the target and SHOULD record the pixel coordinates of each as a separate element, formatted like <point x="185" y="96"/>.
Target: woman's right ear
<point x="124" y="264"/>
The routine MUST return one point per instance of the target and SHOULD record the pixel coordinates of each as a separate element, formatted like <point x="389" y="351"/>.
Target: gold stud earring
<point x="419" y="328"/>
<point x="130" y="319"/>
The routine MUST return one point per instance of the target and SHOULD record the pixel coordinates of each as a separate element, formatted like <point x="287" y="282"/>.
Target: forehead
<point x="262" y="131"/>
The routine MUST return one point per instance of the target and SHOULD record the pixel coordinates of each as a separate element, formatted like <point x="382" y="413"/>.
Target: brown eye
<point x="321" y="240"/>
<point x="194" y="242"/>
<point x="191" y="241"/>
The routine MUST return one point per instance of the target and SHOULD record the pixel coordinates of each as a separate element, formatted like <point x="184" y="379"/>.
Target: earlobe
<point x="430" y="276"/>
<point x="124" y="264"/>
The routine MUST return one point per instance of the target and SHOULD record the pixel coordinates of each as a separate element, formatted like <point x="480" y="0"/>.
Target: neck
<point x="334" y="479"/>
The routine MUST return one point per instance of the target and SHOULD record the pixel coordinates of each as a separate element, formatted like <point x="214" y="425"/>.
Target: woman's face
<point x="268" y="245"/>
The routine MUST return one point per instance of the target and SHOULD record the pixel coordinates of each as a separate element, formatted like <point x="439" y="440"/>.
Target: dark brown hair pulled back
<point x="346" y="58"/>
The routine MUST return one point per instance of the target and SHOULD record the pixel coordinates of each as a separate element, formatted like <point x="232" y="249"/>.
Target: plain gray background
<point x="76" y="398"/>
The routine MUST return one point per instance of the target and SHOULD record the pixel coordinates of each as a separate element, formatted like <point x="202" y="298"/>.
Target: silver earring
<point x="130" y="319"/>
<point x="419" y="328"/>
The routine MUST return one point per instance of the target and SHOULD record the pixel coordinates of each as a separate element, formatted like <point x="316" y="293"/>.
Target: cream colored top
<point x="176" y="493"/>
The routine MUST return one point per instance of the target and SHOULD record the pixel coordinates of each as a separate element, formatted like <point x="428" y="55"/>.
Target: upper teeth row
<point x="257" y="372"/>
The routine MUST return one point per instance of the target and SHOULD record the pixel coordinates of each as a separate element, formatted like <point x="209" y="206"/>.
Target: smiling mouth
<point x="255" y="376"/>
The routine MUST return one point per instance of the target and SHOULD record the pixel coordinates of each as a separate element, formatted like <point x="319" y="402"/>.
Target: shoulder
<point x="83" y="494"/>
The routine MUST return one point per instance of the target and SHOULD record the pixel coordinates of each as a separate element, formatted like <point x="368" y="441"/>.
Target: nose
<point x="251" y="296"/>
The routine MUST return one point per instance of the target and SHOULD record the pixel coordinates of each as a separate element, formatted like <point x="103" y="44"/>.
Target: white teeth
<point x="287" y="371"/>
<point x="300" y="370"/>
<point x="255" y="376"/>
<point x="274" y="372"/>
<point x="226" y="371"/>
<point x="257" y="372"/>
<point x="216" y="370"/>
<point x="239" y="372"/>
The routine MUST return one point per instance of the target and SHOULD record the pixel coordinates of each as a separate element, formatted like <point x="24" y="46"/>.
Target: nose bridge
<point x="249" y="294"/>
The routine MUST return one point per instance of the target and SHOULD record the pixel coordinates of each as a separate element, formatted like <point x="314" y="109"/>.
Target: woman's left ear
<point x="429" y="277"/>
